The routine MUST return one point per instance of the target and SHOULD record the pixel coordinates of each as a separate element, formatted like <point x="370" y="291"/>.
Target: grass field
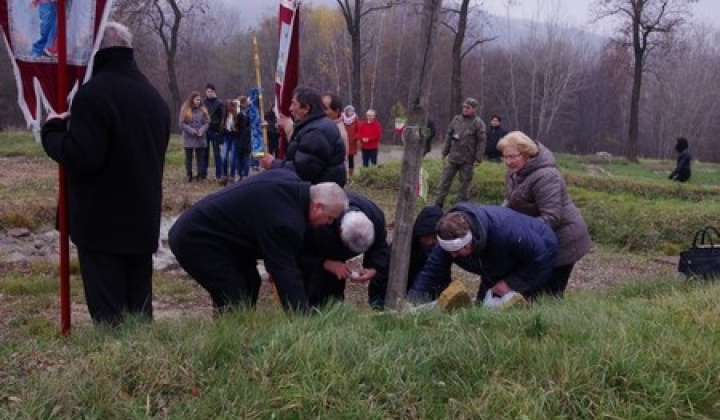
<point x="645" y="348"/>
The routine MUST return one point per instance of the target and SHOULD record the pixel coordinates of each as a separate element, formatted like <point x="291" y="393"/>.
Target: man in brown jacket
<point x="463" y="149"/>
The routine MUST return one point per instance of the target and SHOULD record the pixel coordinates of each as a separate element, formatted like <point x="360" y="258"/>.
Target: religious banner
<point x="255" y="119"/>
<point x="30" y="29"/>
<point x="286" y="73"/>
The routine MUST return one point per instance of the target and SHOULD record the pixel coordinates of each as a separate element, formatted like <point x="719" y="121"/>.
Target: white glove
<point x="491" y="301"/>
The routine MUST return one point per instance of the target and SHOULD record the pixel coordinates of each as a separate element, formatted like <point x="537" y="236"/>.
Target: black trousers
<point x="323" y="288"/>
<point x="230" y="281"/>
<point x="116" y="285"/>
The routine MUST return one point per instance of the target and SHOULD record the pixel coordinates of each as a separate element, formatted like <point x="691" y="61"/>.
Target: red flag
<point x="286" y="75"/>
<point x="30" y="29"/>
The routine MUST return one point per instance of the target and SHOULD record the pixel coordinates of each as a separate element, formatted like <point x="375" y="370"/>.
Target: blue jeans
<point x="214" y="140"/>
<point x="47" y="12"/>
<point x="228" y="157"/>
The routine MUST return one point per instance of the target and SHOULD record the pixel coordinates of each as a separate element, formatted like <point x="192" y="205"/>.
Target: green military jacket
<point x="465" y="140"/>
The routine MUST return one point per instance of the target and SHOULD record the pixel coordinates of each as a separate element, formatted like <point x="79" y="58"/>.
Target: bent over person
<point x="219" y="239"/>
<point x="112" y="145"/>
<point x="361" y="230"/>
<point x="513" y="253"/>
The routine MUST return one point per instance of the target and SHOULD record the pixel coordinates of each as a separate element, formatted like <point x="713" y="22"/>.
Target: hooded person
<point x="422" y="243"/>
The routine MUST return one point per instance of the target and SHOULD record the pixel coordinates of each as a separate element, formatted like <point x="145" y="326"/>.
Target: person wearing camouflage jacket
<point x="464" y="147"/>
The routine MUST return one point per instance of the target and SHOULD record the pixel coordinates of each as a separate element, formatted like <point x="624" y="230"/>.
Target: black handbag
<point x="703" y="257"/>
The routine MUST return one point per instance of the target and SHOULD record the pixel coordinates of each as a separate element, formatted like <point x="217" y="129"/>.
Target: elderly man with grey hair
<point x="219" y="239"/>
<point x="325" y="265"/>
<point x="112" y="145"/>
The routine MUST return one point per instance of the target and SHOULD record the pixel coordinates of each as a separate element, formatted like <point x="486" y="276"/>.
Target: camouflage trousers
<point x="448" y="174"/>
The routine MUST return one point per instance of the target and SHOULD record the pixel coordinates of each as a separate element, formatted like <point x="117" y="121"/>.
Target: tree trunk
<point x="456" y="74"/>
<point x="633" y="129"/>
<point x="412" y="157"/>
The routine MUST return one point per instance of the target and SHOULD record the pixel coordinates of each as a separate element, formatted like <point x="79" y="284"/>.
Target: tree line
<point x="575" y="92"/>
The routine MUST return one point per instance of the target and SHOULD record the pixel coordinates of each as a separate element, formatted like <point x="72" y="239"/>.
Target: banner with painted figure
<point x="30" y="29"/>
<point x="255" y="119"/>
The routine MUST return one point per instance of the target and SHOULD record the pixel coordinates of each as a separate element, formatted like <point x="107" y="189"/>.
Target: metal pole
<point x="61" y="106"/>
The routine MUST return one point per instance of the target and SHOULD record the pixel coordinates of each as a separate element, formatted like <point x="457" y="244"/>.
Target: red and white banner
<point x="286" y="75"/>
<point x="30" y="29"/>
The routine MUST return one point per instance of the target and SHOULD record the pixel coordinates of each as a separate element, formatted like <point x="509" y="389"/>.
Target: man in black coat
<point x="112" y="145"/>
<point x="493" y="135"/>
<point x="219" y="239"/>
<point x="215" y="109"/>
<point x="328" y="248"/>
<point x="316" y="150"/>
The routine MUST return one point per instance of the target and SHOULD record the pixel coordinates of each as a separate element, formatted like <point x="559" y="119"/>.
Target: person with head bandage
<point x="513" y="253"/>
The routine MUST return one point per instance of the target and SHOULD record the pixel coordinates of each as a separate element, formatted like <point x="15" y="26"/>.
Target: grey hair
<point x="330" y="195"/>
<point x="357" y="231"/>
<point x="116" y="35"/>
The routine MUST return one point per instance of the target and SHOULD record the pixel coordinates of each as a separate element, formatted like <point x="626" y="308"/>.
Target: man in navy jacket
<point x="511" y="251"/>
<point x="219" y="239"/>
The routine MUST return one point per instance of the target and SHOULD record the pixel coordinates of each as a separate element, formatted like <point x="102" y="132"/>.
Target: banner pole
<point x="61" y="106"/>
<point x="256" y="55"/>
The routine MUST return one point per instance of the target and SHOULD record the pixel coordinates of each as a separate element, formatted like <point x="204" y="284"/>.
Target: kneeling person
<point x="513" y="253"/>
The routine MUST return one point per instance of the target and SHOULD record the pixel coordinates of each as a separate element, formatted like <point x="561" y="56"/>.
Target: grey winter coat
<point x="539" y="190"/>
<point x="194" y="131"/>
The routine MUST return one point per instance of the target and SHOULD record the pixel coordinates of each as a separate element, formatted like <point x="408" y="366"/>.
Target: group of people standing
<point x="209" y="125"/>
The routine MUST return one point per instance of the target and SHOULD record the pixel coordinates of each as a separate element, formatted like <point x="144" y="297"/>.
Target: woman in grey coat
<point x="534" y="186"/>
<point x="194" y="122"/>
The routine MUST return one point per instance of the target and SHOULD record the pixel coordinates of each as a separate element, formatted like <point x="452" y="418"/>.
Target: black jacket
<point x="324" y="242"/>
<point x="113" y="153"/>
<point x="215" y="109"/>
<point x="493" y="136"/>
<point x="264" y="217"/>
<point x="316" y="151"/>
<point x="682" y="172"/>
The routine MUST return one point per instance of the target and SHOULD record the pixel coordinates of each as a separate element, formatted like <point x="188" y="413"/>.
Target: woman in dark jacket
<point x="682" y="169"/>
<point x="534" y="186"/>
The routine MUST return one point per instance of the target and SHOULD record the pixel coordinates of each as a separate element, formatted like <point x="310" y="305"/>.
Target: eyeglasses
<point x="511" y="157"/>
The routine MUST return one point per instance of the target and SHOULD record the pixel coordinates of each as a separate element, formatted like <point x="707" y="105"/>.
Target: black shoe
<point x="189" y="178"/>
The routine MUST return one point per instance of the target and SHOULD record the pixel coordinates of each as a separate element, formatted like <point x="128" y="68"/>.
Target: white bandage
<point x="452" y="245"/>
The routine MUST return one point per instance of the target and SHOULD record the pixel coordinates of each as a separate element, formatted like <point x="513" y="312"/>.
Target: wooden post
<point x="256" y="55"/>
<point x="412" y="157"/>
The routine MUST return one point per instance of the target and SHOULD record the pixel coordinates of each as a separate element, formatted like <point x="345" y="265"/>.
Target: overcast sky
<point x="573" y="12"/>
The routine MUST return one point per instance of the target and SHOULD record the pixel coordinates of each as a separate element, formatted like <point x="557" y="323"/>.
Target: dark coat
<point x="316" y="151"/>
<point x="240" y="132"/>
<point x="539" y="190"/>
<point x="264" y="217"/>
<point x="425" y="224"/>
<point x="215" y="110"/>
<point x="113" y="153"/>
<point x="323" y="242"/>
<point x="682" y="169"/>
<point x="493" y="135"/>
<point x="507" y="245"/>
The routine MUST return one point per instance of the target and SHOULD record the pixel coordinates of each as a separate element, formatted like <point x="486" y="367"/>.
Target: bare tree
<point x="412" y="156"/>
<point x="456" y="20"/>
<point x="645" y="24"/>
<point x="354" y="12"/>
